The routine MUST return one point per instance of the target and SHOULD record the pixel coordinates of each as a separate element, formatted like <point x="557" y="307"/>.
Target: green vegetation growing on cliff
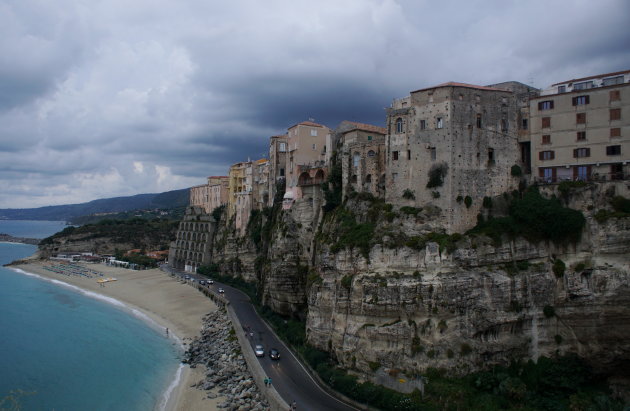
<point x="535" y="218"/>
<point x="621" y="207"/>
<point x="332" y="187"/>
<point x="351" y="234"/>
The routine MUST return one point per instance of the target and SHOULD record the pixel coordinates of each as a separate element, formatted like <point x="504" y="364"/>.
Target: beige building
<point x="260" y="189"/>
<point x="305" y="160"/>
<point x="363" y="158"/>
<point x="240" y="192"/>
<point x="277" y="164"/>
<point x="192" y="246"/>
<point x="450" y="142"/>
<point x="218" y="188"/>
<point x="580" y="129"/>
<point x="199" y="196"/>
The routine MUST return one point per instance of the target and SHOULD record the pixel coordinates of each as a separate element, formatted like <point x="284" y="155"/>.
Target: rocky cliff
<point x="385" y="288"/>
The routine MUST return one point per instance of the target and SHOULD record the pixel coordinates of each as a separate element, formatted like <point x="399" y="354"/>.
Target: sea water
<point x="62" y="350"/>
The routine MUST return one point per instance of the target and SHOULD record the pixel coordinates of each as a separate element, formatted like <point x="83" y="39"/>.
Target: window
<point x="504" y="125"/>
<point x="399" y="125"/>
<point x="581" y="173"/>
<point x="478" y="120"/>
<point x="282" y="172"/>
<point x="394" y="176"/>
<point x="615" y="95"/>
<point x="615" y="132"/>
<point x="616" y="171"/>
<point x="356" y="158"/>
<point x="613" y="150"/>
<point x="408" y="154"/>
<point x="546" y="155"/>
<point x="562" y="89"/>
<point x="369" y="138"/>
<point x="547" y="174"/>
<point x="581" y="100"/>
<point x="546" y="139"/>
<point x="611" y="81"/>
<point x="524" y="124"/>
<point x="545" y="105"/>
<point x="581" y="136"/>
<point x="546" y="122"/>
<point x="314" y="146"/>
<point x="580" y="118"/>
<point x="581" y="152"/>
<point x="283" y="147"/>
<point x="433" y="153"/>
<point x="439" y="123"/>
<point x="394" y="155"/>
<point x="615" y="114"/>
<point x="313" y="133"/>
<point x="423" y="124"/>
<point x="353" y="179"/>
<point x="368" y="178"/>
<point x="371" y="153"/>
<point x="491" y="156"/>
<point x="583" y="85"/>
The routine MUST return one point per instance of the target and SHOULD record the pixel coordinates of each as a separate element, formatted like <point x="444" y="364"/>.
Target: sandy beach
<point x="173" y="305"/>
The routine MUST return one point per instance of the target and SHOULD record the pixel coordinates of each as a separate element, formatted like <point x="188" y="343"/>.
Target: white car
<point x="221" y="291"/>
<point x="259" y="351"/>
<point x="210" y="282"/>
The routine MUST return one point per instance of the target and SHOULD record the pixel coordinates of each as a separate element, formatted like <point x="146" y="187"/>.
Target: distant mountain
<point x="166" y="200"/>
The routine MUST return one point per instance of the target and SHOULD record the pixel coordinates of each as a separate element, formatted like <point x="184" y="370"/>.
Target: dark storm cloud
<point x="110" y="98"/>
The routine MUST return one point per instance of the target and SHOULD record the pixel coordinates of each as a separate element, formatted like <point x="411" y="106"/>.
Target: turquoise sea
<point x="67" y="350"/>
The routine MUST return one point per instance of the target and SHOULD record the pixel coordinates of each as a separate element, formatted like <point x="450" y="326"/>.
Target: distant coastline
<point x="7" y="238"/>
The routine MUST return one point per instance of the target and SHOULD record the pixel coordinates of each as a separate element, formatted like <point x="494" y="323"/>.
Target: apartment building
<point x="362" y="158"/>
<point x="580" y="129"/>
<point x="449" y="142"/>
<point x="198" y="196"/>
<point x="260" y="185"/>
<point x="305" y="160"/>
<point x="240" y="193"/>
<point x="218" y="188"/>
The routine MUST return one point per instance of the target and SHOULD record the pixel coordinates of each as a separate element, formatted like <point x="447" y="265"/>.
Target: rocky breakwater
<point x="227" y="375"/>
<point x="10" y="239"/>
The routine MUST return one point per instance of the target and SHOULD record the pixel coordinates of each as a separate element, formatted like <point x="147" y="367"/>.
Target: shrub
<point x="465" y="349"/>
<point x="435" y="194"/>
<point x="374" y="365"/>
<point x="450" y="353"/>
<point x="410" y="210"/>
<point x="487" y="202"/>
<point x="559" y="268"/>
<point x="468" y="201"/>
<point x="346" y="281"/>
<point x="408" y="194"/>
<point x="516" y="171"/>
<point x="436" y="175"/>
<point x="558" y="339"/>
<point x="549" y="311"/>
<point x="580" y="267"/>
<point x="459" y="199"/>
<point x="620" y="204"/>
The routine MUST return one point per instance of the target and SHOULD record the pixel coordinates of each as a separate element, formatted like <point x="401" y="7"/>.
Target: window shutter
<point x="552" y="104"/>
<point x="575" y="173"/>
<point x="541" y="172"/>
<point x="588" y="99"/>
<point x="588" y="152"/>
<point x="575" y="150"/>
<point x="539" y="105"/>
<point x="574" y="99"/>
<point x="540" y="155"/>
<point x="554" y="174"/>
<point x="608" y="150"/>
<point x="553" y="154"/>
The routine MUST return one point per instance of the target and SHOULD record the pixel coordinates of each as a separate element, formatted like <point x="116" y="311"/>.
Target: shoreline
<point x="158" y="300"/>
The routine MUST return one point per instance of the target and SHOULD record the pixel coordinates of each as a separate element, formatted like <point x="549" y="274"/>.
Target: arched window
<point x="356" y="157"/>
<point x="368" y="178"/>
<point x="371" y="153"/>
<point x="354" y="179"/>
<point x="399" y="125"/>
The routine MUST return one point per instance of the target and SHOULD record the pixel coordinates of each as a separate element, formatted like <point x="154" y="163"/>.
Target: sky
<point x="110" y="98"/>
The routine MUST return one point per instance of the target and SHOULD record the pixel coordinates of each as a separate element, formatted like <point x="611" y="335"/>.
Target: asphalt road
<point x="288" y="376"/>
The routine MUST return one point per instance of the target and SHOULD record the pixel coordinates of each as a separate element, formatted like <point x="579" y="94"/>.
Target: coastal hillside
<point x="69" y="212"/>
<point x="111" y="237"/>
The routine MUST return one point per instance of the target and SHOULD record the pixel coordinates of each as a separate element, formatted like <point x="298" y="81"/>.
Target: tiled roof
<point x="280" y="136"/>
<point x="366" y="127"/>
<point x="217" y="176"/>
<point x="616" y="73"/>
<point x="455" y="84"/>
<point x="261" y="161"/>
<point x="307" y="123"/>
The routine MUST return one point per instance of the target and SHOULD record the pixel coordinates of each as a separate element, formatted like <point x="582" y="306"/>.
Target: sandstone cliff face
<point x="479" y="305"/>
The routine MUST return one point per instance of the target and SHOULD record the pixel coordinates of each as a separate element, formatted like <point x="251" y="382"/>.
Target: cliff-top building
<point x="277" y="164"/>
<point x="450" y="142"/>
<point x="580" y="129"/>
<point x="362" y="158"/>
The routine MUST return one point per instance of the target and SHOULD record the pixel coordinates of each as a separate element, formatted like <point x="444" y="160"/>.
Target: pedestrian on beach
<point x="167" y="332"/>
<point x="266" y="381"/>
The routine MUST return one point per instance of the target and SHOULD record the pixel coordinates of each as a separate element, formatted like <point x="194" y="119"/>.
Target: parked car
<point x="186" y="277"/>
<point x="202" y="282"/>
<point x="221" y="291"/>
<point x="259" y="351"/>
<point x="274" y="354"/>
<point x="210" y="281"/>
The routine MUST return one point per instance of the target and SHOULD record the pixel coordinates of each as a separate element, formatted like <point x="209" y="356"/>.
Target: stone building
<point x="580" y="129"/>
<point x="450" y="142"/>
<point x="218" y="190"/>
<point x="192" y="245"/>
<point x="199" y="196"/>
<point x="363" y="158"/>
<point x="260" y="186"/>
<point x="240" y="193"/>
<point x="277" y="164"/>
<point x="305" y="160"/>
